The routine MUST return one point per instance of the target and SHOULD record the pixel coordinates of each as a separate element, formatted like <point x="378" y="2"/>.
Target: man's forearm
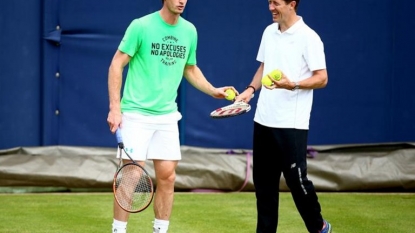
<point x="114" y="88"/>
<point x="196" y="78"/>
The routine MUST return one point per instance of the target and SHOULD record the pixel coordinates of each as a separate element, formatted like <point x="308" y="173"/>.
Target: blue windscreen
<point x="55" y="59"/>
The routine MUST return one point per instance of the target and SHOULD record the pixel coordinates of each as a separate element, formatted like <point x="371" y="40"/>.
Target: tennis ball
<point x="276" y="74"/>
<point x="231" y="94"/>
<point x="266" y="81"/>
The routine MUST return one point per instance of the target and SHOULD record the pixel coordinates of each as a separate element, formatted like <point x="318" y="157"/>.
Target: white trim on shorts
<point x="151" y="137"/>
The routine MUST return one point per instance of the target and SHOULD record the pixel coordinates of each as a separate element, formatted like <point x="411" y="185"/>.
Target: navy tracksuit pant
<point x="279" y="151"/>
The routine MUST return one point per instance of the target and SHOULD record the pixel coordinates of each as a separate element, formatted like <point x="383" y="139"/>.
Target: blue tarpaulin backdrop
<point x="55" y="56"/>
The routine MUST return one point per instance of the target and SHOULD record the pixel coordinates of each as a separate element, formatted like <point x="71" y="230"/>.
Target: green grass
<point x="204" y="213"/>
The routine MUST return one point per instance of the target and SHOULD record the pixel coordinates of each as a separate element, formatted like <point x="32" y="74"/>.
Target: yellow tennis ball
<point x="276" y="74"/>
<point x="266" y="81"/>
<point x="231" y="94"/>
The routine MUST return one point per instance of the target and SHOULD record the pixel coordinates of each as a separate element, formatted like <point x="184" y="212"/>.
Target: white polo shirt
<point x="296" y="52"/>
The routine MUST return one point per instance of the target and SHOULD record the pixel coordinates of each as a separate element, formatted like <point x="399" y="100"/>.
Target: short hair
<point x="297" y="2"/>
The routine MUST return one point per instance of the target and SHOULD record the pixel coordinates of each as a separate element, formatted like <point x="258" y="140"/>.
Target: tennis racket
<point x="231" y="110"/>
<point x="133" y="188"/>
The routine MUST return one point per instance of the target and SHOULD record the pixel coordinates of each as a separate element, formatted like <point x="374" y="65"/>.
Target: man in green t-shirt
<point x="159" y="48"/>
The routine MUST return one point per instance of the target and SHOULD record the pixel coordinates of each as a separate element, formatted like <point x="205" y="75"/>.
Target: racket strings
<point x="133" y="188"/>
<point x="234" y="109"/>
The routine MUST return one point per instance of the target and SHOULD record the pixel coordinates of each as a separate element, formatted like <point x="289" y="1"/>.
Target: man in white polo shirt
<point x="282" y="116"/>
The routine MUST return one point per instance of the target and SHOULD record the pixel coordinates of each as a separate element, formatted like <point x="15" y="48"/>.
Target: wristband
<point x="253" y="88"/>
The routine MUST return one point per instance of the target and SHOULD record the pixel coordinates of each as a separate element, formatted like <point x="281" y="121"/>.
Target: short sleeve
<point x="191" y="60"/>
<point x="130" y="43"/>
<point x="314" y="53"/>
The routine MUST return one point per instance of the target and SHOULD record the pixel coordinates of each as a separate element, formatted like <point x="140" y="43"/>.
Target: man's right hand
<point x="114" y="120"/>
<point x="245" y="96"/>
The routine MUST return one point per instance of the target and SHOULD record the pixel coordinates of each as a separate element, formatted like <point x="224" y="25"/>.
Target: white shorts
<point x="151" y="137"/>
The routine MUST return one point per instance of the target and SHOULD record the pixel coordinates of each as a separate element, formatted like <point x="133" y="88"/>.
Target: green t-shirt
<point x="159" y="53"/>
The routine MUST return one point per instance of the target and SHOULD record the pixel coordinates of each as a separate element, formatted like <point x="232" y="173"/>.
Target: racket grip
<point x="119" y="138"/>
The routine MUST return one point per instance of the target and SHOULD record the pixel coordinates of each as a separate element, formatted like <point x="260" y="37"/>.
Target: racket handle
<point x="119" y="138"/>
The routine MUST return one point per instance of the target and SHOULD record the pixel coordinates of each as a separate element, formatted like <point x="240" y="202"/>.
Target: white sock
<point x="119" y="226"/>
<point x="161" y="225"/>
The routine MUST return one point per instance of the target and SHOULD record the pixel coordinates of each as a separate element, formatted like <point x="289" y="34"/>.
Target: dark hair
<point x="297" y="2"/>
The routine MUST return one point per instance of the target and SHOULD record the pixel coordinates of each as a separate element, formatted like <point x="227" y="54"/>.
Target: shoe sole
<point x="330" y="228"/>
